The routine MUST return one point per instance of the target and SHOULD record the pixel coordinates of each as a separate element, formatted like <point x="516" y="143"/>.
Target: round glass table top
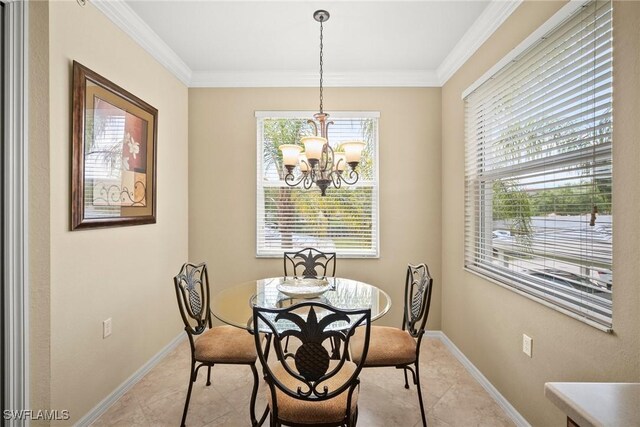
<point x="234" y="305"/>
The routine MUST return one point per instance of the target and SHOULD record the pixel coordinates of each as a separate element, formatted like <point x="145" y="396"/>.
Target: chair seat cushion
<point x="225" y="344"/>
<point x="299" y="411"/>
<point x="387" y="346"/>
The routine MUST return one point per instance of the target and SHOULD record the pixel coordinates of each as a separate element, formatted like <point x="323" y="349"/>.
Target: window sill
<point x="341" y="256"/>
<point x="542" y="301"/>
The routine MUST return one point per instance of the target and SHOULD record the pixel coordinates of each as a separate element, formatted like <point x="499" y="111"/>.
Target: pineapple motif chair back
<point x="192" y="291"/>
<point x="417" y="298"/>
<point x="310" y="263"/>
<point x="308" y="372"/>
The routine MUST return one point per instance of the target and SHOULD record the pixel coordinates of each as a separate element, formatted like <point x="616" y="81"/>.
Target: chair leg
<point x="208" y="376"/>
<point x="424" y="418"/>
<point x="267" y="347"/>
<point x="335" y="348"/>
<point x="353" y="421"/>
<point x="406" y="380"/>
<point x="254" y="394"/>
<point x="192" y="379"/>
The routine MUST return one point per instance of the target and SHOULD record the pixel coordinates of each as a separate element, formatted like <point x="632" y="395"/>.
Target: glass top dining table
<point x="234" y="305"/>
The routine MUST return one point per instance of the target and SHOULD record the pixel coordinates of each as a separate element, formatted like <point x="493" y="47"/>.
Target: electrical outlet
<point x="527" y="343"/>
<point x="106" y="328"/>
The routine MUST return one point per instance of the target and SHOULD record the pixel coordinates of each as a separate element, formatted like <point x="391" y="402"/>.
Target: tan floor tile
<point x="232" y="419"/>
<point x="433" y="422"/>
<point x="125" y="412"/>
<point x="452" y="397"/>
<point x="158" y="384"/>
<point x="470" y="405"/>
<point x="379" y="407"/>
<point x="442" y="367"/>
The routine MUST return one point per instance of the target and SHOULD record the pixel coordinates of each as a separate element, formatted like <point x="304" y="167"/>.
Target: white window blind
<point x="538" y="170"/>
<point x="344" y="221"/>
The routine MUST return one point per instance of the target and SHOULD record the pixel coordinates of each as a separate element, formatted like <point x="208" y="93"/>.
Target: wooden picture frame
<point x="114" y="151"/>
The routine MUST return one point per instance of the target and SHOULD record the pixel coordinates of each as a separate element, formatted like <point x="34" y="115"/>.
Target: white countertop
<point x="597" y="404"/>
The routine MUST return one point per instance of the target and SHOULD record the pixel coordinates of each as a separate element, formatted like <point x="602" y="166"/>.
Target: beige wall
<point x="222" y="183"/>
<point x="487" y="321"/>
<point x="123" y="273"/>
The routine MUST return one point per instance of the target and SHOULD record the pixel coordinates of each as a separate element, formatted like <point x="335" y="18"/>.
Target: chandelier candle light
<point x="319" y="163"/>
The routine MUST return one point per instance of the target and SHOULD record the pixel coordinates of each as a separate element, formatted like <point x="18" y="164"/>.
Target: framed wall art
<point x="114" y="146"/>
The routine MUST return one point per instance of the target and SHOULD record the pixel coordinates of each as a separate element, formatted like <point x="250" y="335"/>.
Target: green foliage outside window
<point x="343" y="216"/>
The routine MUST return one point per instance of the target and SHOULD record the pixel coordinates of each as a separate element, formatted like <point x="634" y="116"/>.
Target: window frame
<point x="15" y="386"/>
<point x="476" y="206"/>
<point x="374" y="183"/>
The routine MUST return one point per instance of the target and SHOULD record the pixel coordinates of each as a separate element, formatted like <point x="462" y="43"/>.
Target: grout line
<point x="441" y="397"/>
<point x="144" y="413"/>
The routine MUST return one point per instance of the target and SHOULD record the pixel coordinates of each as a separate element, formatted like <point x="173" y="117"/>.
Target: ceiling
<point x="266" y="43"/>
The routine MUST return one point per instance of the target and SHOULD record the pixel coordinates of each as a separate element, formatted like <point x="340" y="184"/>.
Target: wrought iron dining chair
<point x="310" y="263"/>
<point x="400" y="348"/>
<point x="308" y="387"/>
<point x="210" y="345"/>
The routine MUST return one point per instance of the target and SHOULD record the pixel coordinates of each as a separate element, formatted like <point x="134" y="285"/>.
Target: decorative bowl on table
<point x="303" y="288"/>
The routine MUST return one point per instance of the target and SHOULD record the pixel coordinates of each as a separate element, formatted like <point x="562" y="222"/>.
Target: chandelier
<point x="319" y="163"/>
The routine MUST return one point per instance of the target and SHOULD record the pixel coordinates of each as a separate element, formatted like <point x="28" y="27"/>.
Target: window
<point x="345" y="221"/>
<point x="539" y="170"/>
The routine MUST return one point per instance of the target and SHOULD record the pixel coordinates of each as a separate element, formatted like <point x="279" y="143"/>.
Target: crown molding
<point x="128" y="21"/>
<point x="487" y="23"/>
<point x="423" y="78"/>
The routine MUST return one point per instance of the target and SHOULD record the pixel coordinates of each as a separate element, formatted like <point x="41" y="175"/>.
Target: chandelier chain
<point x="319" y="164"/>
<point x="321" y="46"/>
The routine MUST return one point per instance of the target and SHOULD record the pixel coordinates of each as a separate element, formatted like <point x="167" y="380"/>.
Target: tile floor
<point x="452" y="396"/>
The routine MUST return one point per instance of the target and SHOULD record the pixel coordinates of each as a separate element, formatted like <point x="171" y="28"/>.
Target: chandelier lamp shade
<point x="319" y="163"/>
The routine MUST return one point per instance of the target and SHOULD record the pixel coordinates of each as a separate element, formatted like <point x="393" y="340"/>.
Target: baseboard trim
<point x="116" y="394"/>
<point x="515" y="416"/>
